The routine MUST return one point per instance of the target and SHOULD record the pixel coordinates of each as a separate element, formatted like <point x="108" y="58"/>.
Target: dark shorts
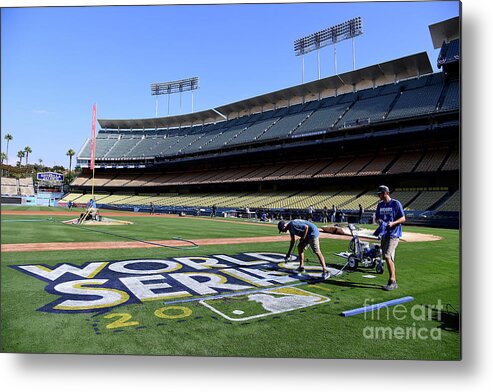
<point x="389" y="245"/>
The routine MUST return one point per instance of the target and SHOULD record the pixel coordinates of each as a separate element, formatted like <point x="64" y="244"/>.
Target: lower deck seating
<point x="26" y="187"/>
<point x="452" y="203"/>
<point x="10" y="186"/>
<point x="419" y="200"/>
<point x="9" y="190"/>
<point x="425" y="200"/>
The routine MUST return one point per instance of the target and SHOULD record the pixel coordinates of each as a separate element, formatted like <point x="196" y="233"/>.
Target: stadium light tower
<point x="329" y="36"/>
<point x="177" y="86"/>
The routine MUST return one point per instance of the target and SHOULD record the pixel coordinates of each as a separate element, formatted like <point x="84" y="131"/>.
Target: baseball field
<point x="197" y="286"/>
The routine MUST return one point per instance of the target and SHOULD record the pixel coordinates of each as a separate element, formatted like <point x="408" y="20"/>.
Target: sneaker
<point x="390" y="286"/>
<point x="325" y="274"/>
<point x="300" y="269"/>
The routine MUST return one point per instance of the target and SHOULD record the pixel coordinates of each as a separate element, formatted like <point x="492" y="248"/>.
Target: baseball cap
<point x="281" y="225"/>
<point x="382" y="189"/>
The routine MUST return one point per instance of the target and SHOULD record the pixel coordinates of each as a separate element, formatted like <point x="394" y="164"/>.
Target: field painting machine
<point x="362" y="253"/>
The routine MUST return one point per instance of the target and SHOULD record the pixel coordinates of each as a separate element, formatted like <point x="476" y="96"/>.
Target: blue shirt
<point x="390" y="212"/>
<point x="297" y="227"/>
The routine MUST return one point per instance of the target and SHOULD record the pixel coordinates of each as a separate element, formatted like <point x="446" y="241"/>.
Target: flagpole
<point x="93" y="147"/>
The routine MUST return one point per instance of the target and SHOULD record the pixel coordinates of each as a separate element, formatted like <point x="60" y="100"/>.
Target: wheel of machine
<point x="371" y="263"/>
<point x="352" y="262"/>
<point x="379" y="268"/>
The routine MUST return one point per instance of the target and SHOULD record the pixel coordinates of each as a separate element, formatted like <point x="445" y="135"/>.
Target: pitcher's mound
<point x="101" y="222"/>
<point x="368" y="234"/>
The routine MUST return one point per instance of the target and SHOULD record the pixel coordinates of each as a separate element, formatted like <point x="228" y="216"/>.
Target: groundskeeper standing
<point x="308" y="233"/>
<point x="390" y="216"/>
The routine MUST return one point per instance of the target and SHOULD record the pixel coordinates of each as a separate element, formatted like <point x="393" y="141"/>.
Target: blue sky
<point x="58" y="61"/>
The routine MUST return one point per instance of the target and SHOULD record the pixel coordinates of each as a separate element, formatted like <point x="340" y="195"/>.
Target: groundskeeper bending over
<point x="390" y="216"/>
<point x="308" y="233"/>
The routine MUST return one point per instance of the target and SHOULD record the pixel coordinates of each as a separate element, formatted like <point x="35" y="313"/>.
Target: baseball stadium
<point x="179" y="253"/>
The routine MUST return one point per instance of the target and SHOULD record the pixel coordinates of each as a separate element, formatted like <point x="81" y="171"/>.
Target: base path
<point x="50" y="246"/>
<point x="38" y="247"/>
<point x="53" y="246"/>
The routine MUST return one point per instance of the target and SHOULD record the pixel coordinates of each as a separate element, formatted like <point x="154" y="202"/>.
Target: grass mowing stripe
<point x="194" y="245"/>
<point x="25" y="220"/>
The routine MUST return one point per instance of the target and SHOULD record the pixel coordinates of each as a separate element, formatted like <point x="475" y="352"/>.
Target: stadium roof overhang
<point x="404" y="68"/>
<point x="162" y="122"/>
<point x="447" y="31"/>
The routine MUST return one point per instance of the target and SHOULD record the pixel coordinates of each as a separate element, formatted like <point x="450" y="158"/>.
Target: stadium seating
<point x="419" y="200"/>
<point x="412" y="97"/>
<point x="340" y="118"/>
<point x="303" y="200"/>
<point x="10" y="190"/>
<point x="221" y="138"/>
<point x="377" y="165"/>
<point x="416" y="102"/>
<point x="341" y="198"/>
<point x="117" y="199"/>
<point x="84" y="199"/>
<point x="285" y="125"/>
<point x="142" y="180"/>
<point x="103" y="144"/>
<point x="354" y="167"/>
<point x="452" y="97"/>
<point x="123" y="146"/>
<point x="452" y="203"/>
<point x="321" y="120"/>
<point x="392" y="88"/>
<point x="253" y="132"/>
<point x="102" y="179"/>
<point x="121" y="180"/>
<point x="452" y="162"/>
<point x="404" y="196"/>
<point x="334" y="167"/>
<point x="367" y="200"/>
<point x="26" y="187"/>
<point x="144" y="147"/>
<point x="81" y="179"/>
<point x="72" y="196"/>
<point x="369" y="93"/>
<point x="10" y="186"/>
<point x="425" y="200"/>
<point x="431" y="161"/>
<point x="308" y="170"/>
<point x="406" y="162"/>
<point x="450" y="52"/>
<point x="368" y="110"/>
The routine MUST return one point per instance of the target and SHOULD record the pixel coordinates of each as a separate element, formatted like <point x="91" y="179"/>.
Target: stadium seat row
<point x="410" y="98"/>
<point x="343" y="200"/>
<point x="346" y="166"/>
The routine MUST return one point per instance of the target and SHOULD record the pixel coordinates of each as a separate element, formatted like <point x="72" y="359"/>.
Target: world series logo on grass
<point x="103" y="285"/>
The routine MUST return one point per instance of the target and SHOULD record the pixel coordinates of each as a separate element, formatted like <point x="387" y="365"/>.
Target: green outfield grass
<point x="428" y="271"/>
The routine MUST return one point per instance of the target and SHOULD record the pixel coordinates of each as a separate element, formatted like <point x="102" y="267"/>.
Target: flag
<point x="93" y="141"/>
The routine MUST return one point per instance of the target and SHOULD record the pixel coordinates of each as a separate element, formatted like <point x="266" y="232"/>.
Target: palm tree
<point x="20" y="155"/>
<point x="27" y="150"/>
<point x="70" y="154"/>
<point x="8" y="137"/>
<point x="3" y="156"/>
